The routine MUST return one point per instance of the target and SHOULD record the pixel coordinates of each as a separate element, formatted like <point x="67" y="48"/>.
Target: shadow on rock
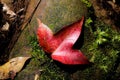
<point x="72" y="68"/>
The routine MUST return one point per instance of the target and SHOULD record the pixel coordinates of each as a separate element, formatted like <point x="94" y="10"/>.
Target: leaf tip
<point x="39" y="21"/>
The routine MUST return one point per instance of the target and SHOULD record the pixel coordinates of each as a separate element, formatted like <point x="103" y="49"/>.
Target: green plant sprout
<point x="88" y="4"/>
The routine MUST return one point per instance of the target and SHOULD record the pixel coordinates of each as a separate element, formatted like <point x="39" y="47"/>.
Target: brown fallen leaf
<point x="8" y="10"/>
<point x="14" y="65"/>
<point x="5" y="27"/>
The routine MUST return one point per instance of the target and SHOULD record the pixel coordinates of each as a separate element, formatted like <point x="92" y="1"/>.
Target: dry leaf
<point x="5" y="27"/>
<point x="8" y="10"/>
<point x="14" y="65"/>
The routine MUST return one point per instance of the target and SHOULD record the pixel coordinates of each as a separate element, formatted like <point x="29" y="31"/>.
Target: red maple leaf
<point x="66" y="54"/>
<point x="61" y="43"/>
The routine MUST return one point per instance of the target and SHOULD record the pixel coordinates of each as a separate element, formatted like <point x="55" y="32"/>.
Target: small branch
<point x="30" y="18"/>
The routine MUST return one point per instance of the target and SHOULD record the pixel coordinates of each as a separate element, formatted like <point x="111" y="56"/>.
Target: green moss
<point x="101" y="46"/>
<point x="88" y="4"/>
<point x="50" y="71"/>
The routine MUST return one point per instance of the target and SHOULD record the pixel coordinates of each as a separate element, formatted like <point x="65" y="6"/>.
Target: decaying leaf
<point x="5" y="27"/>
<point x="14" y="65"/>
<point x="8" y="10"/>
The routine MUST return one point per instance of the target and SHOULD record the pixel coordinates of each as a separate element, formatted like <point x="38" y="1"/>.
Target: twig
<point x="30" y="18"/>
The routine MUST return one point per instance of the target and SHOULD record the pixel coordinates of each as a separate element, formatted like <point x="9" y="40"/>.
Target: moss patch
<point x="101" y="47"/>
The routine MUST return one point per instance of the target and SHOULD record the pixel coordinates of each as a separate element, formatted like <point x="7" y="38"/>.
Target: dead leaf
<point x="5" y="27"/>
<point x="13" y="66"/>
<point x="8" y="10"/>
